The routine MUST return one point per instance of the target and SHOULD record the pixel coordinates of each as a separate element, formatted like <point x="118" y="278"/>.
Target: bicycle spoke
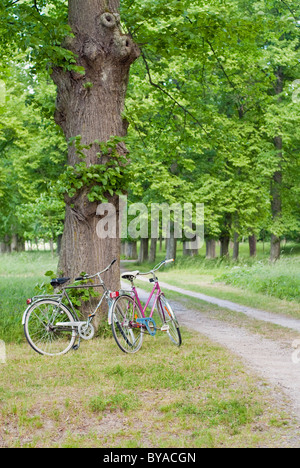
<point x="41" y="332"/>
<point x="127" y="334"/>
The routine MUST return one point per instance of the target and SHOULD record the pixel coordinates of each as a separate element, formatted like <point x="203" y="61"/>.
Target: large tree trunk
<point x="91" y="106"/>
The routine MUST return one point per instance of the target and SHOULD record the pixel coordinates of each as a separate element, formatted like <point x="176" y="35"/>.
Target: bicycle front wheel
<point x="126" y="331"/>
<point x="169" y="320"/>
<point x="41" y="331"/>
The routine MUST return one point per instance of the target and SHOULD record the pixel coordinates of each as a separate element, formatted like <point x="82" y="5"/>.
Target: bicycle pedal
<point x="165" y="328"/>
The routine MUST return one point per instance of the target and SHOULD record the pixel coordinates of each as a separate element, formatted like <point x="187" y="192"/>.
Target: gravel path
<point x="274" y="362"/>
<point x="287" y="322"/>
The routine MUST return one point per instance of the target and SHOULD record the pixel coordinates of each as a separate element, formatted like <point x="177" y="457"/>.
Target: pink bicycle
<point x="128" y="317"/>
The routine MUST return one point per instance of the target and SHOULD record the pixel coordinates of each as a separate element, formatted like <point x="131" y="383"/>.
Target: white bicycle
<point x="51" y="327"/>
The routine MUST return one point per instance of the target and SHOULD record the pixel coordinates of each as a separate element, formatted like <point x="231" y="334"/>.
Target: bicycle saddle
<point x="130" y="275"/>
<point x="59" y="282"/>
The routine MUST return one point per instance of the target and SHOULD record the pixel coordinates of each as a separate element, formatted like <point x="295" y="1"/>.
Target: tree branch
<point x="290" y="10"/>
<point x="35" y="6"/>
<point x="12" y="3"/>
<point x="240" y="105"/>
<point x="170" y="96"/>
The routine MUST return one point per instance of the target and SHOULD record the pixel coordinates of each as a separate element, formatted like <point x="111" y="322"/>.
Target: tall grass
<point x="19" y="273"/>
<point x="281" y="280"/>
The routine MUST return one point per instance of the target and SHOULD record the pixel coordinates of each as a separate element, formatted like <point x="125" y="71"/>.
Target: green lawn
<point x="199" y="395"/>
<point x="196" y="396"/>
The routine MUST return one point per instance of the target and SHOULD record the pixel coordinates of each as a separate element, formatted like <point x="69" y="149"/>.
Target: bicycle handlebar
<point x="169" y="261"/>
<point x="86" y="277"/>
<point x="157" y="267"/>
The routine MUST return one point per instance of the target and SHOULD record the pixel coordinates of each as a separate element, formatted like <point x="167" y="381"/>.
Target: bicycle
<point x="51" y="327"/>
<point x="127" y="316"/>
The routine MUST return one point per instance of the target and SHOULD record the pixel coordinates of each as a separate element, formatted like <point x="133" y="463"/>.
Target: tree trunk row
<point x="129" y="249"/>
<point x="12" y="244"/>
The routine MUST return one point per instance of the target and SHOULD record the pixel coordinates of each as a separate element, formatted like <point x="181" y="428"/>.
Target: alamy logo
<point x="2" y="352"/>
<point x="140" y="221"/>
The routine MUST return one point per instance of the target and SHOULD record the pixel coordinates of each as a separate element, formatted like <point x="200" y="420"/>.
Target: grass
<point x="19" y="274"/>
<point x="281" y="280"/>
<point x="195" y="396"/>
<point x="199" y="395"/>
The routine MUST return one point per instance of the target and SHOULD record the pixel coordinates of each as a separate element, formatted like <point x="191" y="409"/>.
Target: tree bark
<point x="153" y="245"/>
<point x="144" y="250"/>
<point x="210" y="248"/>
<point x="4" y="247"/>
<point x="186" y="249"/>
<point x="172" y="248"/>
<point x="131" y="250"/>
<point x="91" y="106"/>
<point x="14" y="243"/>
<point x="236" y="247"/>
<point x="224" y="249"/>
<point x="252" y="245"/>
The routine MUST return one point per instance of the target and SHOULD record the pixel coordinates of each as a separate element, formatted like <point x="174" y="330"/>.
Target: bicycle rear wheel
<point x="169" y="319"/>
<point x="41" y="331"/>
<point x="127" y="333"/>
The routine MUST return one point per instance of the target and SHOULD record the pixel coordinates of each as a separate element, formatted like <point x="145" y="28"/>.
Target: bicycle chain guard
<point x="146" y="322"/>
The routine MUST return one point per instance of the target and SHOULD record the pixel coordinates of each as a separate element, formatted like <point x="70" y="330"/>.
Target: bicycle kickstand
<point x="76" y="346"/>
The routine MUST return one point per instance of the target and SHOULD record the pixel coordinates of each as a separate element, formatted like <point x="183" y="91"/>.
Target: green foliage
<point x="204" y="110"/>
<point x="105" y="177"/>
<point x="38" y="29"/>
<point x="32" y="155"/>
<point x="78" y="296"/>
<point x="203" y="106"/>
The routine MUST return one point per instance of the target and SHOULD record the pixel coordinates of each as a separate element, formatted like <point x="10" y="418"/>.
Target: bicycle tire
<point x="124" y="314"/>
<point x="169" y="318"/>
<point x="42" y="336"/>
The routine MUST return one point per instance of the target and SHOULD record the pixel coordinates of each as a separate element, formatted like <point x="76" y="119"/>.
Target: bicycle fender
<point x="110" y="309"/>
<point x="170" y="311"/>
<point x="29" y="307"/>
<point x="25" y="313"/>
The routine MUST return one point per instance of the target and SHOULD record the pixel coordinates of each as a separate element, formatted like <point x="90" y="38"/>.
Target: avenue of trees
<point x="200" y="101"/>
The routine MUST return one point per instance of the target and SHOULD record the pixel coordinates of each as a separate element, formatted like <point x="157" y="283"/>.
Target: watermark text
<point x="137" y="220"/>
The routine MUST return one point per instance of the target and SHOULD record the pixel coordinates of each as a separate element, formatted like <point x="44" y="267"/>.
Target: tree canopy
<point x="212" y="104"/>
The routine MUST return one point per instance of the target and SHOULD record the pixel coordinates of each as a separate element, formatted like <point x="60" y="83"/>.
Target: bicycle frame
<point x="59" y="297"/>
<point x="87" y="286"/>
<point x="134" y="292"/>
<point x="158" y="294"/>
